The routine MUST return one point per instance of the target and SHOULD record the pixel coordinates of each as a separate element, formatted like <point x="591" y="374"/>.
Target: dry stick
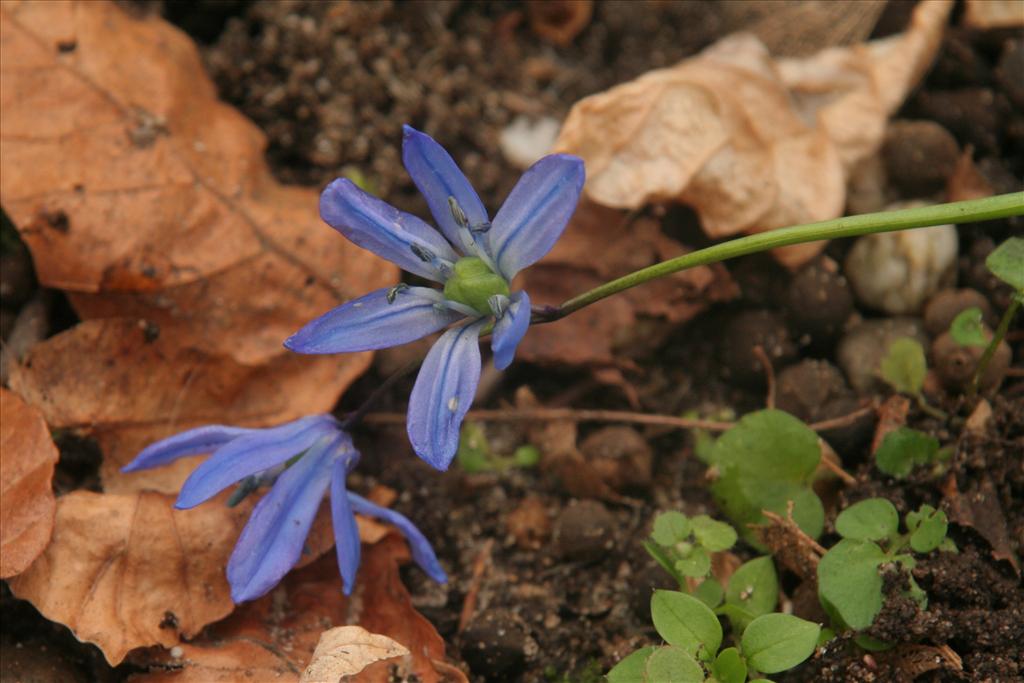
<point x="479" y="566"/>
<point x="769" y="375"/>
<point x="568" y="414"/>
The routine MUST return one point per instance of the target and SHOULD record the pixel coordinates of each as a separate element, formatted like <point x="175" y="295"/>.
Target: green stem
<point x="990" y="350"/>
<point x="972" y="210"/>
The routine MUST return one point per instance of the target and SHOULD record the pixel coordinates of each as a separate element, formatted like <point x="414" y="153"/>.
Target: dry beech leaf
<point x="598" y="245"/>
<point x="128" y="386"/>
<point x="142" y="195"/>
<point x="125" y="571"/>
<point x="274" y="637"/>
<point x="750" y="142"/>
<point x="347" y="650"/>
<point x="985" y="14"/>
<point x="27" y="506"/>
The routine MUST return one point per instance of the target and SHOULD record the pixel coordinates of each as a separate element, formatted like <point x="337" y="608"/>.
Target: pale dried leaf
<point x="750" y="142"/>
<point x="347" y="650"/>
<point x="985" y="14"/>
<point x="27" y="506"/>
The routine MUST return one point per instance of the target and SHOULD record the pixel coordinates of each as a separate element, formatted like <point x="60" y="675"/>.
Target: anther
<point x="422" y="253"/>
<point x="393" y="292"/>
<point x="457" y="213"/>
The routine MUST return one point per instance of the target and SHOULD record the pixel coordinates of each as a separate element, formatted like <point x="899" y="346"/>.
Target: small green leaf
<point x="928" y="527"/>
<point x="713" y="534"/>
<point x="632" y="667"/>
<point x="904" y="448"/>
<point x="527" y="456"/>
<point x="754" y="586"/>
<point x="686" y="622"/>
<point x="769" y="444"/>
<point x="904" y="366"/>
<point x="968" y="329"/>
<point x="826" y="635"/>
<point x="696" y="565"/>
<point x="869" y="520"/>
<point x="948" y="546"/>
<point x="670" y="528"/>
<point x="849" y="583"/>
<point x="673" y="664"/>
<point x="1006" y="262"/>
<point x="776" y="642"/>
<point x="729" y="667"/>
<point x="710" y="592"/>
<point x="739" y="616"/>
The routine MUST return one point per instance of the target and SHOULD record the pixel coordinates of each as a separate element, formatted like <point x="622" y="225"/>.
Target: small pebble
<point x="861" y="350"/>
<point x="919" y="156"/>
<point x="494" y="645"/>
<point x="973" y="115"/>
<point x="620" y="455"/>
<point x="806" y="388"/>
<point x="529" y="524"/>
<point x="818" y="301"/>
<point x="947" y="304"/>
<point x="747" y="330"/>
<point x="897" y="272"/>
<point x="584" y="532"/>
<point x="955" y="365"/>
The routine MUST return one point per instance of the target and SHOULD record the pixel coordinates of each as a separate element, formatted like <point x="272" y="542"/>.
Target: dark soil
<point x="566" y="584"/>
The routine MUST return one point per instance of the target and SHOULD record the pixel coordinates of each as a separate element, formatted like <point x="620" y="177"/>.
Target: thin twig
<point x="568" y="414"/>
<point x="483" y="559"/>
<point x="769" y="375"/>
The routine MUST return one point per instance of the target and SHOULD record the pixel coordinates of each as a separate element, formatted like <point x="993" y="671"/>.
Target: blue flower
<point x="474" y="259"/>
<point x="302" y="459"/>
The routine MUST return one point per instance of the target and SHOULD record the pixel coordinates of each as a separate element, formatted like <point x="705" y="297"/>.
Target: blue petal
<point x="384" y="230"/>
<point x="422" y="552"/>
<point x="346" y="531"/>
<point x="371" y="322"/>
<point x="438" y="177"/>
<point x="250" y="454"/>
<point x="193" y="442"/>
<point x="509" y="330"/>
<point x="271" y="542"/>
<point x="443" y="392"/>
<point x="536" y="212"/>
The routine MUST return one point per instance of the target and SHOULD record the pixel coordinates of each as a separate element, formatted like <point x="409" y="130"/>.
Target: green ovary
<point x="473" y="283"/>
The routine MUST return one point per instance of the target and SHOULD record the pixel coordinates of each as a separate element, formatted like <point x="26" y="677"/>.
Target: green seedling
<point x="683" y="545"/>
<point x="904" y="368"/>
<point x="693" y="635"/>
<point x="968" y="328"/>
<point x="850" y="575"/>
<point x="1006" y="262"/>
<point x="904" y="449"/>
<point x="475" y="454"/>
<point x="768" y="459"/>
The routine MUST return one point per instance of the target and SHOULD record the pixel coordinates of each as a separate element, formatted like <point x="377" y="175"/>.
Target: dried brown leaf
<point x="347" y="650"/>
<point x="27" y="506"/>
<point x="559" y="21"/>
<point x="598" y="245"/>
<point x="285" y="626"/>
<point x="125" y="571"/>
<point x="793" y="548"/>
<point x="115" y="379"/>
<point x="142" y="195"/>
<point x="986" y="14"/>
<point x="750" y="142"/>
